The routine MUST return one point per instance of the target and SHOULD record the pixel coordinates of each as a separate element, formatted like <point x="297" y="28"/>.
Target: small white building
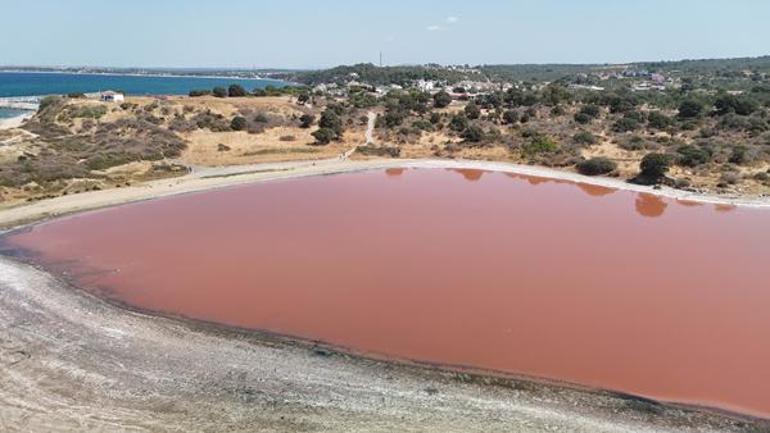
<point x="110" y="96"/>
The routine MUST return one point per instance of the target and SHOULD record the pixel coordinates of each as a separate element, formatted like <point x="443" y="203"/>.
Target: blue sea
<point x="35" y="84"/>
<point x="17" y="84"/>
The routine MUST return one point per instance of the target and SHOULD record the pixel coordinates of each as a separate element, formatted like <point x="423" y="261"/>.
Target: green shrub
<point x="510" y="117"/>
<point x="473" y="134"/>
<point x="238" y="123"/>
<point x="585" y="138"/>
<point x="199" y="92"/>
<point x="690" y="109"/>
<point x="692" y="156"/>
<point x="597" y="166"/>
<point x="654" y="166"/>
<point x="324" y="136"/>
<point x="236" y="91"/>
<point x="659" y="120"/>
<point x="625" y="124"/>
<point x="472" y="111"/>
<point x="306" y="121"/>
<point x="88" y="112"/>
<point x="739" y="155"/>
<point x="539" y="144"/>
<point x="442" y="99"/>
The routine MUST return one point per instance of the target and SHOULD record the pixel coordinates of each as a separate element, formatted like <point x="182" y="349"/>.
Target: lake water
<point x="611" y="289"/>
<point x="14" y="84"/>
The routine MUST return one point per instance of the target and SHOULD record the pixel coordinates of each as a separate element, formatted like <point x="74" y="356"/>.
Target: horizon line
<point x="315" y="68"/>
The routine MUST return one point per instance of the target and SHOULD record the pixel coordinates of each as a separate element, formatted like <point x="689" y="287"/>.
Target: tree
<point x="472" y="111"/>
<point x="654" y="166"/>
<point x="330" y="120"/>
<point x="306" y="121"/>
<point x="596" y="166"/>
<point x="220" y="92"/>
<point x="442" y="99"/>
<point x="690" y="109"/>
<point x="324" y="136"/>
<point x="303" y="99"/>
<point x="236" y="91"/>
<point x="238" y="123"/>
<point x="742" y="106"/>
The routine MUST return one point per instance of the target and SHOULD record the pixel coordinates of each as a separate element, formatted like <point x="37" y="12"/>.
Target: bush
<point x="654" y="166"/>
<point x="199" y="92"/>
<point x="539" y="144"/>
<point x="87" y="112"/>
<point x="238" y="123"/>
<point x="48" y="101"/>
<point x="659" y="120"/>
<point x="597" y="166"/>
<point x="236" y="91"/>
<point x="473" y="134"/>
<point x="692" y="156"/>
<point x="458" y="123"/>
<point x="472" y="111"/>
<point x="219" y="92"/>
<point x="690" y="109"/>
<point x="587" y="114"/>
<point x="510" y="117"/>
<point x="442" y="99"/>
<point x="739" y="155"/>
<point x="585" y="138"/>
<point x="324" y="136"/>
<point x="626" y="124"/>
<point x="742" y="106"/>
<point x="306" y="121"/>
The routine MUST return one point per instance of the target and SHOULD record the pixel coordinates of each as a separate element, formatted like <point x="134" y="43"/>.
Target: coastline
<point x="138" y="369"/>
<point x="436" y="377"/>
<point x="15" y="122"/>
<point x="135" y="74"/>
<point x="212" y="178"/>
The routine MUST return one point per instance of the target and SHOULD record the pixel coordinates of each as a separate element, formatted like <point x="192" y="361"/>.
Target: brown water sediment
<point x="611" y="289"/>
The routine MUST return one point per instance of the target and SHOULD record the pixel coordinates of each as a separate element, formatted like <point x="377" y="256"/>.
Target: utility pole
<point x="380" y="58"/>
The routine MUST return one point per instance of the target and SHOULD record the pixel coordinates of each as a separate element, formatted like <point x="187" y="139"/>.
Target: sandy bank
<point x="70" y="362"/>
<point x="201" y="179"/>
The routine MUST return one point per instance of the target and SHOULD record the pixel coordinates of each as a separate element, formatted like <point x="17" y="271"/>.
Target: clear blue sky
<point x="319" y="33"/>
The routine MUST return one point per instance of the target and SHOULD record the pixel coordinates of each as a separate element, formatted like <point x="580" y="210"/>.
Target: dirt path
<point x="370" y="127"/>
<point x="69" y="362"/>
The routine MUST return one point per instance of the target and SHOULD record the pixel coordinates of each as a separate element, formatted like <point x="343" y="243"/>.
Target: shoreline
<point x="213" y="178"/>
<point x="118" y="74"/>
<point x="16" y="121"/>
<point x="113" y="360"/>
